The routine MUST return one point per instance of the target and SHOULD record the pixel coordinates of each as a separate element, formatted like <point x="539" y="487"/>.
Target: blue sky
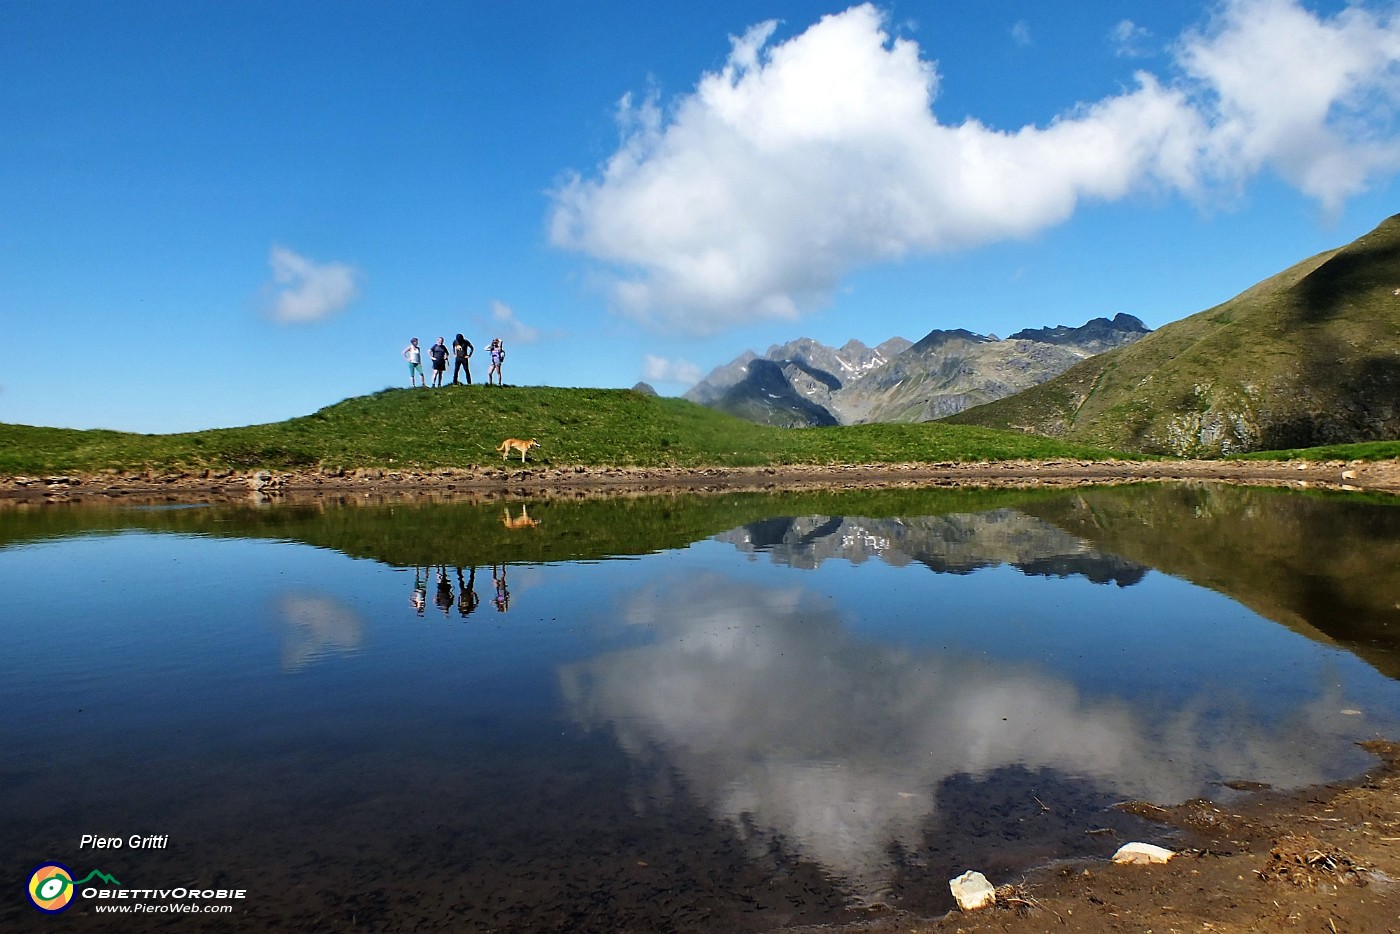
<point x="217" y="214"/>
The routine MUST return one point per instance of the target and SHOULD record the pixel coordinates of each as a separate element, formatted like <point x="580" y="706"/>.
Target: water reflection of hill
<point x="1326" y="566"/>
<point x="956" y="543"/>
<point x="413" y="534"/>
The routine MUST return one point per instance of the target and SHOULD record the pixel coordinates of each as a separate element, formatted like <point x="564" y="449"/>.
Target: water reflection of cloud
<point x="315" y="626"/>
<point x="784" y="724"/>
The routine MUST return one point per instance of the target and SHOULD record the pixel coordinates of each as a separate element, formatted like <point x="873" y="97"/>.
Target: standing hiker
<point x="462" y="351"/>
<point x="439" y="354"/>
<point x="414" y="356"/>
<point x="498" y="356"/>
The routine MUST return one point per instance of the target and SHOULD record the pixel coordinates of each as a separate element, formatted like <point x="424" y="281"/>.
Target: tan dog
<point x="515" y="444"/>
<point x="522" y="521"/>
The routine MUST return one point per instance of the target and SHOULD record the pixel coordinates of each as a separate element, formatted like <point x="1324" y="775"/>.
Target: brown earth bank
<point x="1322" y="860"/>
<point x="577" y="481"/>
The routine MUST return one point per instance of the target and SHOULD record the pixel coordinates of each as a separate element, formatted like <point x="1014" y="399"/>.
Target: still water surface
<point x="736" y="713"/>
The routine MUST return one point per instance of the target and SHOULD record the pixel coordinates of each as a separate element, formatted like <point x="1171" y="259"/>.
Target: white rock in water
<point x="1142" y="854"/>
<point x="972" y="891"/>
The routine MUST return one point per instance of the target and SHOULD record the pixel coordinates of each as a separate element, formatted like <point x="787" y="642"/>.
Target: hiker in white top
<point x="414" y="356"/>
<point x="498" y="356"/>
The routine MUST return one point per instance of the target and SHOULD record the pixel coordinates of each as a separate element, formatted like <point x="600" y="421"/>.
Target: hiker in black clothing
<point x="462" y="351"/>
<point x="444" y="598"/>
<point x="439" y="354"/>
<point x="467" y="599"/>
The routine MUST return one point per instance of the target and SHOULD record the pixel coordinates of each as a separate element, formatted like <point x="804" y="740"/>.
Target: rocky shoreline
<point x="1323" y="859"/>
<point x="578" y="481"/>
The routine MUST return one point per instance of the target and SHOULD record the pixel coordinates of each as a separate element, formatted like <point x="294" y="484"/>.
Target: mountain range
<point x="805" y="383"/>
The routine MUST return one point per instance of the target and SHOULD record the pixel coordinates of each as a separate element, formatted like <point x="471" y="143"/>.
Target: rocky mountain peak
<point x="805" y="382"/>
<point x="1096" y="336"/>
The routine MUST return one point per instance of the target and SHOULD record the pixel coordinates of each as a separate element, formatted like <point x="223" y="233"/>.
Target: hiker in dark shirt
<point x="444" y="598"/>
<point x="462" y="351"/>
<point x="467" y="599"/>
<point x="438" y="352"/>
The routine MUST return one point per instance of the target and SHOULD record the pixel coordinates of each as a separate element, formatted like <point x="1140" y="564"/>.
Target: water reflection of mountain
<point x="958" y="543"/>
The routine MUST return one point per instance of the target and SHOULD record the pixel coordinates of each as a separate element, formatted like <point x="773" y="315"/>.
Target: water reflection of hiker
<point x="462" y="351"/>
<point x="420" y="590"/>
<point x="502" y="592"/>
<point x="444" y="598"/>
<point x="467" y="599"/>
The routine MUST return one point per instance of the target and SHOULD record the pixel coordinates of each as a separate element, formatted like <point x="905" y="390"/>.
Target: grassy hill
<point x="460" y="426"/>
<point x="1308" y="357"/>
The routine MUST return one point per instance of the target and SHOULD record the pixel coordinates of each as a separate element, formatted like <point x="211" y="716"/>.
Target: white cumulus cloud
<point x="1313" y="99"/>
<point x="660" y="369"/>
<point x="800" y="161"/>
<point x="303" y="290"/>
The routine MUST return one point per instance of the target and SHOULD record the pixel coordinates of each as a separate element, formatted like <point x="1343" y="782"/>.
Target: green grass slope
<point x="460" y="427"/>
<point x="1308" y="357"/>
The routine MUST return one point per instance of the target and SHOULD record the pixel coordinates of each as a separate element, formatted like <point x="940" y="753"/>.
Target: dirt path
<point x="545" y="481"/>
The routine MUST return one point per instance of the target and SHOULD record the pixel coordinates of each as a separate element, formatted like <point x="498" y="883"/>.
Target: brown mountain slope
<point x="1310" y="356"/>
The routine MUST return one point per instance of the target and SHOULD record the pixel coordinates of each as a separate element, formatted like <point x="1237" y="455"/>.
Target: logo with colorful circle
<point x="51" y="886"/>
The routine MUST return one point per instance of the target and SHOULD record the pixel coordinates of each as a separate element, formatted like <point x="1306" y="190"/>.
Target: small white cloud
<point x="303" y="290"/>
<point x="1021" y="33"/>
<point x="1130" y="40"/>
<point x="508" y="327"/>
<point x="659" y="369"/>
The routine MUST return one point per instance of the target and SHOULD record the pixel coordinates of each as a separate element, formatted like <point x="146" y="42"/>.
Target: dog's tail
<point x="501" y="446"/>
